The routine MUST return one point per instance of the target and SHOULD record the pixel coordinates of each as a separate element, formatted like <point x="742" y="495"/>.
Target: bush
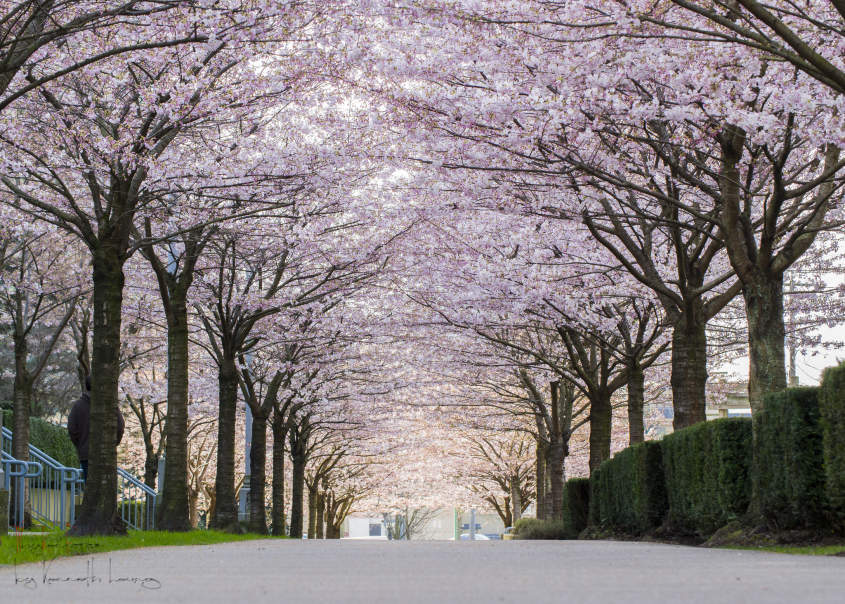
<point x="576" y="506"/>
<point x="628" y="492"/>
<point x="832" y="411"/>
<point x="50" y="438"/>
<point x="789" y="479"/>
<point x="707" y="475"/>
<point x="532" y="528"/>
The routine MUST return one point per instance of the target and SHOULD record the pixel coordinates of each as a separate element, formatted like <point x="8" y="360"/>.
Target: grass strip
<point x="20" y="549"/>
<point x="804" y="550"/>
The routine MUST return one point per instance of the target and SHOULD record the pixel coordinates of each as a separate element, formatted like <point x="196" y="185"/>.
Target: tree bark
<point x="541" y="480"/>
<point x="258" y="475"/>
<point x="556" y="458"/>
<point x="312" y="512"/>
<point x="600" y="424"/>
<point x="226" y="509"/>
<point x="151" y="468"/>
<point x="174" y="510"/>
<point x="766" y="337"/>
<point x="299" y="459"/>
<point x="321" y="509"/>
<point x="278" y="513"/>
<point x="22" y="401"/>
<point x="98" y="513"/>
<point x="515" y="501"/>
<point x="636" y="400"/>
<point x="689" y="369"/>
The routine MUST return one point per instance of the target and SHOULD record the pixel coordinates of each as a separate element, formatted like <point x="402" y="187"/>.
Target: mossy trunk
<point x="98" y="514"/>
<point x="278" y="486"/>
<point x="636" y="400"/>
<point x="173" y="512"/>
<point x="258" y="475"/>
<point x="226" y="508"/>
<point x="600" y="424"/>
<point x="689" y="368"/>
<point x="766" y="340"/>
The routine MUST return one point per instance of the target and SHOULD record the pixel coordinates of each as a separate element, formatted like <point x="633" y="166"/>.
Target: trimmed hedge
<point x="707" y="470"/>
<point x="576" y="506"/>
<point x="789" y="476"/>
<point x="50" y="438"/>
<point x="628" y="492"/>
<point x="531" y="528"/>
<point x="832" y="411"/>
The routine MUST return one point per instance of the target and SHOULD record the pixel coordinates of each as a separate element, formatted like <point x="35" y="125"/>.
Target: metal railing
<point x="136" y="502"/>
<point x="53" y="493"/>
<point x="17" y="472"/>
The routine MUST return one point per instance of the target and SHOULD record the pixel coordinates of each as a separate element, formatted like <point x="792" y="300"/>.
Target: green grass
<point x="806" y="550"/>
<point x="34" y="548"/>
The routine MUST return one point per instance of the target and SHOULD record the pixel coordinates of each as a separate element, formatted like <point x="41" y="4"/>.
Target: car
<point x="478" y="537"/>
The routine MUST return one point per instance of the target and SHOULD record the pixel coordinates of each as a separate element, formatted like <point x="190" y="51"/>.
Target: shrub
<point x="707" y="475"/>
<point x="576" y="505"/>
<point x="789" y="479"/>
<point x="832" y="410"/>
<point x="532" y="528"/>
<point x="628" y="492"/>
<point x="50" y="438"/>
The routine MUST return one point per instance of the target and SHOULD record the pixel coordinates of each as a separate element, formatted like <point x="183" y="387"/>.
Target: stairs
<point x="55" y="490"/>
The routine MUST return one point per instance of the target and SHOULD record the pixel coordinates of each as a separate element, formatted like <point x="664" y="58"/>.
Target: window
<point x="375" y="530"/>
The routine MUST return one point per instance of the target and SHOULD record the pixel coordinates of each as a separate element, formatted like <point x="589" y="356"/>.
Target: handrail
<point x="136" y="495"/>
<point x="20" y="470"/>
<point x="60" y="511"/>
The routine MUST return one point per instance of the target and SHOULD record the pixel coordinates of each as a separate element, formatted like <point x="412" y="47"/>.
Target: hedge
<point x="50" y="438"/>
<point x="532" y="528"/>
<point x="789" y="478"/>
<point x="832" y="411"/>
<point x="707" y="475"/>
<point x="576" y="506"/>
<point x="628" y="492"/>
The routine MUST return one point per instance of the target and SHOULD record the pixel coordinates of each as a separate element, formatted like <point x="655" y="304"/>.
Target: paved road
<point x="431" y="572"/>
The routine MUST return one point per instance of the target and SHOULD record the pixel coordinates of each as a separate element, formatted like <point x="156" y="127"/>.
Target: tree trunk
<point x="555" y="469"/>
<point x="299" y="459"/>
<point x="515" y="501"/>
<point x="258" y="475"/>
<point x="226" y="509"/>
<point x="98" y="514"/>
<point x="689" y="369"/>
<point x="22" y="397"/>
<point x="151" y="469"/>
<point x="174" y="509"/>
<point x="600" y="424"/>
<point x="766" y="340"/>
<point x="636" y="400"/>
<point x="312" y="512"/>
<point x="278" y="513"/>
<point x="321" y="509"/>
<point x="541" y="481"/>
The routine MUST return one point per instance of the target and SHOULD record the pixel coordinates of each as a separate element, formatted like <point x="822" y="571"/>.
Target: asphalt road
<point x="431" y="572"/>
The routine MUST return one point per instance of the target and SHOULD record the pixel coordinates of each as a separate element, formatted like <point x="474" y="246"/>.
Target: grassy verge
<point x="34" y="548"/>
<point x="805" y="550"/>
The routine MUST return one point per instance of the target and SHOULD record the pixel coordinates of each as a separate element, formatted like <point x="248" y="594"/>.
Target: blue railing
<point x="136" y="501"/>
<point x="17" y="472"/>
<point x="53" y="493"/>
